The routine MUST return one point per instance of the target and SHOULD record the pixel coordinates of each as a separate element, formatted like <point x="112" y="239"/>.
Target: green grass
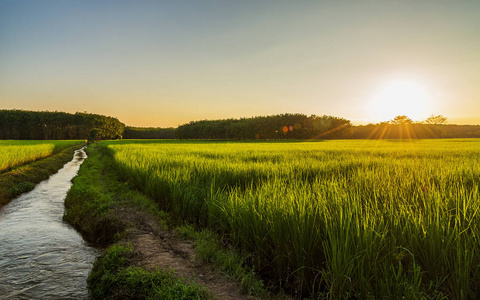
<point x="113" y="277"/>
<point x="382" y="219"/>
<point x="15" y="153"/>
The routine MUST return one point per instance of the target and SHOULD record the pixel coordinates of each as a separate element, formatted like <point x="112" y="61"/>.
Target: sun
<point x="401" y="97"/>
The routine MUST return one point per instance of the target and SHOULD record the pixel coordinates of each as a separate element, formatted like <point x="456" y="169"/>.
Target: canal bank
<point x="145" y="258"/>
<point x="41" y="256"/>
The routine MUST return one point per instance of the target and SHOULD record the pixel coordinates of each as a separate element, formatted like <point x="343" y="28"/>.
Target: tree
<point x="45" y="125"/>
<point x="93" y="135"/>
<point x="402" y="119"/>
<point x="436" y="120"/>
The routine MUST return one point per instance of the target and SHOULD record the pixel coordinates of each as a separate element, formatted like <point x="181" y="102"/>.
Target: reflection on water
<point x="42" y="257"/>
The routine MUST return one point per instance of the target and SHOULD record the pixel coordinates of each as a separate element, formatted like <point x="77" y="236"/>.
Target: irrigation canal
<point x="42" y="257"/>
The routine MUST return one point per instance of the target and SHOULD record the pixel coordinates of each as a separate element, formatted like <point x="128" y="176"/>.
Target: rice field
<point x="337" y="219"/>
<point x="19" y="152"/>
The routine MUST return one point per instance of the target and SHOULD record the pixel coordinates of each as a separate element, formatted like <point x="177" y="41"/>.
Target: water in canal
<point x="42" y="257"/>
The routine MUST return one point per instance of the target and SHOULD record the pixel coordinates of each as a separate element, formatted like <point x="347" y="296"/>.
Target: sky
<point x="165" y="63"/>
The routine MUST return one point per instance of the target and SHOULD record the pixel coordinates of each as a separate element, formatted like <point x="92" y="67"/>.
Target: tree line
<point x="149" y="133"/>
<point x="300" y="126"/>
<point x="46" y="125"/>
<point x="283" y="126"/>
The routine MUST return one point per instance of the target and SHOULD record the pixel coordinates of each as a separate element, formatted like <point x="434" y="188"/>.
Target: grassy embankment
<point x="108" y="210"/>
<point x="114" y="276"/>
<point x="25" y="163"/>
<point x="381" y="219"/>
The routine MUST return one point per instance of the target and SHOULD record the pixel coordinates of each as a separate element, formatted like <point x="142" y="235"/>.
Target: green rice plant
<point x="339" y="219"/>
<point x="15" y="153"/>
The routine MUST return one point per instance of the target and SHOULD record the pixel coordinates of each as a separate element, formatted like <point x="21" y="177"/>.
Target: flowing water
<point x="42" y="257"/>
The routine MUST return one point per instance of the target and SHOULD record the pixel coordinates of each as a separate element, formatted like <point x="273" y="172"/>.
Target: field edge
<point x="23" y="178"/>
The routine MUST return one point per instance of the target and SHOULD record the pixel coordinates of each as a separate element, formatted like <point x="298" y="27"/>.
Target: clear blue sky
<point x="164" y="63"/>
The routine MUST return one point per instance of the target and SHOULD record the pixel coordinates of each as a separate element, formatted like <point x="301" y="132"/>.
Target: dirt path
<point x="156" y="247"/>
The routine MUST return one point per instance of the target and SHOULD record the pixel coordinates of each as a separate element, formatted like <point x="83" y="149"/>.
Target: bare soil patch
<point x="157" y="247"/>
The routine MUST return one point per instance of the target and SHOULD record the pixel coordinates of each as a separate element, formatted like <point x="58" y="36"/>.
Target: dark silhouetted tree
<point x="402" y="119"/>
<point x="436" y="120"/>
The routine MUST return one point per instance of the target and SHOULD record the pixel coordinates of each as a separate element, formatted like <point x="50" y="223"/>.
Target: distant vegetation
<point x="336" y="219"/>
<point x="30" y="125"/>
<point x="45" y="125"/>
<point x="149" y="133"/>
<point x="402" y="127"/>
<point x="286" y="126"/>
<point x="414" y="131"/>
<point x="299" y="126"/>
